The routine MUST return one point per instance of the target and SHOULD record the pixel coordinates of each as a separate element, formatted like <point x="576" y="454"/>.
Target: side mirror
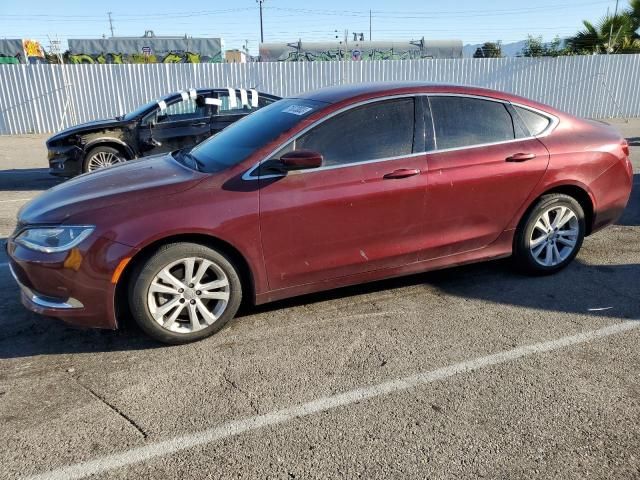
<point x="301" y="160"/>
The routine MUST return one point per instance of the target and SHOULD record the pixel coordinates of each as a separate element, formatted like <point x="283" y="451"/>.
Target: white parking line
<point x="236" y="427"/>
<point x="16" y="200"/>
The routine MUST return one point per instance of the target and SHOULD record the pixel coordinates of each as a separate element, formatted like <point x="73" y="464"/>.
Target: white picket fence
<point x="46" y="98"/>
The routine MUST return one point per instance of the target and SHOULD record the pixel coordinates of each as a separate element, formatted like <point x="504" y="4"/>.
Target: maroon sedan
<point x="340" y="186"/>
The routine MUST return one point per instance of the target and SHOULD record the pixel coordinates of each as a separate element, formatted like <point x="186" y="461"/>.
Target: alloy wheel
<point x="188" y="295"/>
<point x="554" y="236"/>
<point x="101" y="160"/>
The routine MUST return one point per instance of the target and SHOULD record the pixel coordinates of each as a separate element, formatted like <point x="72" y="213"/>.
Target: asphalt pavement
<point x="472" y="372"/>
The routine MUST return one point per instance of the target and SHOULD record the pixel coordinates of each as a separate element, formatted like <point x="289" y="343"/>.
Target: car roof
<point x="360" y="91"/>
<point x="205" y="91"/>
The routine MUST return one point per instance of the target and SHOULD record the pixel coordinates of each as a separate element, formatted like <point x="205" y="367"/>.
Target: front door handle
<point x="402" y="173"/>
<point x="521" y="157"/>
<point x="199" y="124"/>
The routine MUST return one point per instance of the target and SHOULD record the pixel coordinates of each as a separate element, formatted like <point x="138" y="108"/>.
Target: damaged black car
<point x="175" y="121"/>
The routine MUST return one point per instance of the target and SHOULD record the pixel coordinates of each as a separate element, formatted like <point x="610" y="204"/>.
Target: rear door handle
<point x="402" y="173"/>
<point x="521" y="157"/>
<point x="199" y="124"/>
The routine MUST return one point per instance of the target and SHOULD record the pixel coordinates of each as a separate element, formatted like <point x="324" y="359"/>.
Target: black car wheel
<point x="101" y="157"/>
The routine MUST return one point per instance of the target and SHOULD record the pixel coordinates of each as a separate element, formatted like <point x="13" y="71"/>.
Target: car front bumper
<point x="75" y="286"/>
<point x="65" y="161"/>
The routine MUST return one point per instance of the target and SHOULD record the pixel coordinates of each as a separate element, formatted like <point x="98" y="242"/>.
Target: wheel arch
<point x="245" y="273"/>
<point x="581" y="195"/>
<point x="116" y="143"/>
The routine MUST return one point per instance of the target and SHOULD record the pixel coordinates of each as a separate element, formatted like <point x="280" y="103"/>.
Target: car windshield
<point x="236" y="142"/>
<point x="142" y="109"/>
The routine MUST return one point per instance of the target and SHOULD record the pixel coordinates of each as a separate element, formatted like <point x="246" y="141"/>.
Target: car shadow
<point x="27" y="179"/>
<point x="606" y="291"/>
<point x="631" y="215"/>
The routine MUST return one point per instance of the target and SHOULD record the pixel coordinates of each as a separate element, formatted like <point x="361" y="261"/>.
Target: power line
<point x="362" y="13"/>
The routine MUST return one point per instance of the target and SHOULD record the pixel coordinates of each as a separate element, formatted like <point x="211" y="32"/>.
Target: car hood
<point x="95" y="125"/>
<point x="121" y="184"/>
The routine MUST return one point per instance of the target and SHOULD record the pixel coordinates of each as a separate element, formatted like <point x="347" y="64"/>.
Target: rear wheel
<point x="184" y="292"/>
<point x="551" y="235"/>
<point x="101" y="157"/>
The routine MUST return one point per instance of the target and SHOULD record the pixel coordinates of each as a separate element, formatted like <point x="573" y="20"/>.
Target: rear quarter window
<point x="535" y="122"/>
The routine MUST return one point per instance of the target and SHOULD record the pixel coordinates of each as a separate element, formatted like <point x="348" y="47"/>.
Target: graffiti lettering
<point x="121" y="58"/>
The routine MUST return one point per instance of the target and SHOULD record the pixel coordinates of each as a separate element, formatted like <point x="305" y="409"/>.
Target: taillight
<point x="625" y="147"/>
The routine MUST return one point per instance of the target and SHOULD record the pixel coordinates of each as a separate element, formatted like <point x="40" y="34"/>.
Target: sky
<point x="287" y="21"/>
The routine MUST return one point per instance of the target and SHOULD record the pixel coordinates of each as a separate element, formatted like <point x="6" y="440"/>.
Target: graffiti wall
<point x="145" y="50"/>
<point x="359" y="50"/>
<point x="14" y="51"/>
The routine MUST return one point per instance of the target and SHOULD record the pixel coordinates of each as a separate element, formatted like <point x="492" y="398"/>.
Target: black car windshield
<point x="236" y="142"/>
<point x="143" y="109"/>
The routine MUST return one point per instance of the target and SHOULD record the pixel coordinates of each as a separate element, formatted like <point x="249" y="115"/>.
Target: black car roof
<point x="205" y="91"/>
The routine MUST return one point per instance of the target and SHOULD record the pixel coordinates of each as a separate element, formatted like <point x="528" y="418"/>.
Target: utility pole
<point x="615" y="14"/>
<point x="369" y="25"/>
<point x="346" y="43"/>
<point x="110" y="23"/>
<point x="261" y="27"/>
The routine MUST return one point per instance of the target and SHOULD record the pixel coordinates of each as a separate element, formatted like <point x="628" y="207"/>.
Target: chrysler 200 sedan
<point x="331" y="188"/>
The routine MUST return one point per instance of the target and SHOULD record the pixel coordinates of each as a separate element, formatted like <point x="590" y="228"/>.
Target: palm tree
<point x="612" y="34"/>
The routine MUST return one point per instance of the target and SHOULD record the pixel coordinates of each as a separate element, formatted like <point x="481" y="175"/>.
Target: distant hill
<point x="508" y="49"/>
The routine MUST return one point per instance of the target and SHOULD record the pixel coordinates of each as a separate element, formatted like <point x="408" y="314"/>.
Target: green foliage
<point x="612" y="34"/>
<point x="535" y="47"/>
<point x="489" y="50"/>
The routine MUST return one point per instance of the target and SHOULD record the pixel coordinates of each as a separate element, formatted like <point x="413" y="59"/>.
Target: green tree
<point x="535" y="47"/>
<point x="489" y="50"/>
<point x="612" y="34"/>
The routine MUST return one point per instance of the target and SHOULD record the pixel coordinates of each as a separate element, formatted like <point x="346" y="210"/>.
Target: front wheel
<point x="550" y="236"/>
<point x="184" y="292"/>
<point x="101" y="157"/>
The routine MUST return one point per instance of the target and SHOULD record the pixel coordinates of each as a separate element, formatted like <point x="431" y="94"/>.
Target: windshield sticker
<point x="213" y="101"/>
<point x="254" y="98"/>
<point x="162" y="104"/>
<point x="297" y="109"/>
<point x="185" y="96"/>
<point x="192" y="93"/>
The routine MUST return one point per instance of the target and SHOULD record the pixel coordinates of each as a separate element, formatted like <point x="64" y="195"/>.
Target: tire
<point x="539" y="250"/>
<point x="101" y="155"/>
<point x="151" y="291"/>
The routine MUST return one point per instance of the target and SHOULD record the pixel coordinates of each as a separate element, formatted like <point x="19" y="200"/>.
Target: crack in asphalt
<point x="123" y="415"/>
<point x="246" y="394"/>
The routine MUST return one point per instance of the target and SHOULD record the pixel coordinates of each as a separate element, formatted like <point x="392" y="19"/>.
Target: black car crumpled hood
<point x="88" y="127"/>
<point x="155" y="176"/>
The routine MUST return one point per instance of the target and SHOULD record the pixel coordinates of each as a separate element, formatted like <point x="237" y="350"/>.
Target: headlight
<point x="53" y="239"/>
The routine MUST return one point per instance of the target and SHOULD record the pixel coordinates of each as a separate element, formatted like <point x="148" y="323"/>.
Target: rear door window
<point x="466" y="121"/>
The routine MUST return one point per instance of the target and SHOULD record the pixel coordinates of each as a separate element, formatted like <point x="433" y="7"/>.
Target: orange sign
<point x="32" y="48"/>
